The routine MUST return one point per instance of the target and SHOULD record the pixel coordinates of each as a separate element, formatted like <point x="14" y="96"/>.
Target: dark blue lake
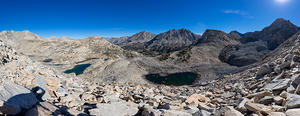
<point x="177" y="79"/>
<point x="78" y="69"/>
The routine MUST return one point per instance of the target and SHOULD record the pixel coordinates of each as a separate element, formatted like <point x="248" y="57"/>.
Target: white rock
<point x="292" y="112"/>
<point x="115" y="109"/>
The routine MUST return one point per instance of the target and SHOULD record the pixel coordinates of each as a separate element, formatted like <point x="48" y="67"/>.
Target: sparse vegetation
<point x="184" y="54"/>
<point x="164" y="57"/>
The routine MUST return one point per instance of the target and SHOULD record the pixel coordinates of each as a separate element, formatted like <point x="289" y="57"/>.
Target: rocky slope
<point x="270" y="87"/>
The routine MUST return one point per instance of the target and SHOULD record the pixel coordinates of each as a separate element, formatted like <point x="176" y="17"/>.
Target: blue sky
<point x="82" y="18"/>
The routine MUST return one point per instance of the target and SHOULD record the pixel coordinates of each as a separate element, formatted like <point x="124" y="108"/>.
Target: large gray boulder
<point x="293" y="103"/>
<point x="15" y="98"/>
<point x="280" y="84"/>
<point x="295" y="80"/>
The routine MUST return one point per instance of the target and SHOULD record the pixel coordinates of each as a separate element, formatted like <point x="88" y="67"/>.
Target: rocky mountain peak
<point x="141" y="37"/>
<point x="143" y="33"/>
<point x="172" y="34"/>
<point x="281" y="21"/>
<point x="255" y="45"/>
<point x="275" y="34"/>
<point x="212" y="31"/>
<point x="216" y="36"/>
<point x="279" y="31"/>
<point x="179" y="31"/>
<point x="235" y="34"/>
<point x="172" y="40"/>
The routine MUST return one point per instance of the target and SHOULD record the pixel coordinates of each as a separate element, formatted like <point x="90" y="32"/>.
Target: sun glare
<point x="281" y="1"/>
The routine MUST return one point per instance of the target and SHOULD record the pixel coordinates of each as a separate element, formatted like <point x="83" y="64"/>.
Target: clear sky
<point x="82" y="18"/>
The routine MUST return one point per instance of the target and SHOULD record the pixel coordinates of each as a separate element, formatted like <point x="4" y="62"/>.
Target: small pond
<point x="78" y="69"/>
<point x="47" y="60"/>
<point x="177" y="79"/>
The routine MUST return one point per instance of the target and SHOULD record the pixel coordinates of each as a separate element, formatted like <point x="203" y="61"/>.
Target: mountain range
<point x="237" y="49"/>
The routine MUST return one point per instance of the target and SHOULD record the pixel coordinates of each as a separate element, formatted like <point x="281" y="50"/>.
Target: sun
<point x="282" y="1"/>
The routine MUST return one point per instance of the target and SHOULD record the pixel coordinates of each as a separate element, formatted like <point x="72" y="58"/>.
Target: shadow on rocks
<point x="32" y="104"/>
